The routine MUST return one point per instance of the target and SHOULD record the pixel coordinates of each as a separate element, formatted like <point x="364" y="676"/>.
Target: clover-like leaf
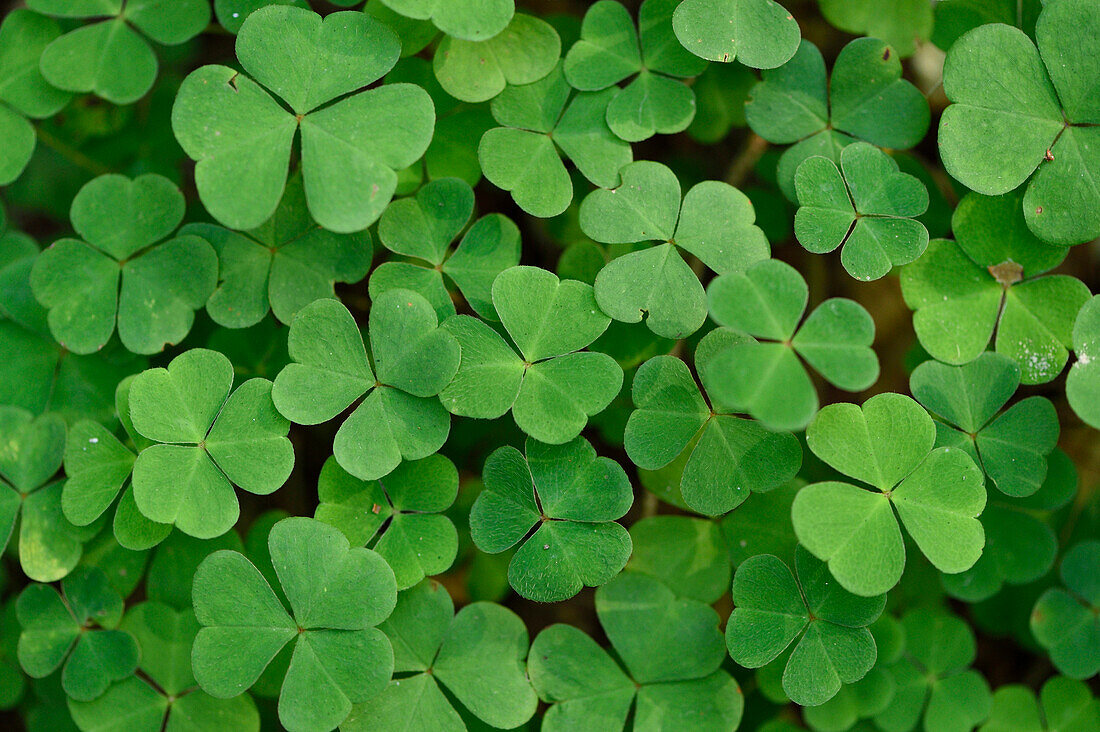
<point x="422" y="229"/>
<point x="110" y="57"/>
<point x="687" y="554"/>
<point x="1083" y="382"/>
<point x="869" y="210"/>
<point x="953" y="18"/>
<point x="559" y="504"/>
<point x="24" y="93"/>
<point x="901" y="23"/>
<point x="611" y="50"/>
<point x="864" y="99"/>
<point x="714" y="221"/>
<point x="476" y="71"/>
<point x="476" y="655"/>
<point x="773" y="610"/>
<point x="206" y="440"/>
<point x="937" y="494"/>
<point x="758" y="33"/>
<point x="1020" y="543"/>
<point x="337" y="595"/>
<point x="1065" y="620"/>
<point x="281" y="266"/>
<point x="932" y="678"/>
<point x="540" y="122"/>
<point x="670" y="675"/>
<point x="399" y="516"/>
<point x="58" y="629"/>
<point x="469" y="20"/>
<point x="98" y="466"/>
<point x="145" y="708"/>
<point x="1011" y="447"/>
<point x="398" y="419"/>
<point x="32" y="449"/>
<point x="119" y="272"/>
<point x="553" y="387"/>
<point x="765" y="377"/>
<point x="965" y="295"/>
<point x="241" y="137"/>
<point x="1025" y="114"/>
<point x="38" y="374"/>
<point x="1062" y="704"/>
<point x="725" y="456"/>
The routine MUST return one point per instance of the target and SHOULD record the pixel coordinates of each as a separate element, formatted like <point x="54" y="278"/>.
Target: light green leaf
<point x="763" y="34"/>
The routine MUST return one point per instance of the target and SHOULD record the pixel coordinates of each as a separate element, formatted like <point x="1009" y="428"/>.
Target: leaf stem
<point x="71" y="154"/>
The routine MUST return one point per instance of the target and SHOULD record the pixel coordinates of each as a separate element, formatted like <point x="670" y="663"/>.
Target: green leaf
<point x="107" y="58"/>
<point x="865" y="99"/>
<point x="337" y="594"/>
<point x="901" y="23"/>
<point x="165" y="637"/>
<point x="207" y="438"/>
<point x="56" y="630"/>
<point x="887" y="444"/>
<point x="533" y="305"/>
<point x="98" y="466"/>
<point x="1065" y="621"/>
<point x="1083" y="382"/>
<point x="477" y="655"/>
<point x="539" y="120"/>
<point x="725" y="456"/>
<point x="715" y="223"/>
<point x="960" y="301"/>
<point x="161" y="284"/>
<point x="1031" y="124"/>
<point x="1020" y="545"/>
<point x="687" y="554"/>
<point x="399" y="515"/>
<point x="326" y="350"/>
<point x="472" y="21"/>
<point x="682" y="643"/>
<point x="869" y="211"/>
<point x="579" y="679"/>
<point x="414" y="360"/>
<point x="573" y="498"/>
<point x="350" y="148"/>
<point x="24" y="92"/>
<point x="773" y="610"/>
<point x="1066" y="704"/>
<point x="610" y="51"/>
<point x="764" y="34"/>
<point x="476" y="71"/>
<point x="282" y="266"/>
<point x="1012" y="448"/>
<point x="766" y="379"/>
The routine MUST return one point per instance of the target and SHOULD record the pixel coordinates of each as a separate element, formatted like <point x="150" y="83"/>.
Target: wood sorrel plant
<point x="441" y="365"/>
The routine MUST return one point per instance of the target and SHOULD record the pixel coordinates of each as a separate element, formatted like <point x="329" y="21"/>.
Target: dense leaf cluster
<point x="467" y="364"/>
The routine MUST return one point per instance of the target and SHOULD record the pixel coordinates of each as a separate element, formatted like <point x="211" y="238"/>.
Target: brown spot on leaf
<point x="886" y="54"/>
<point x="1007" y="273"/>
<point x="1038" y="210"/>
